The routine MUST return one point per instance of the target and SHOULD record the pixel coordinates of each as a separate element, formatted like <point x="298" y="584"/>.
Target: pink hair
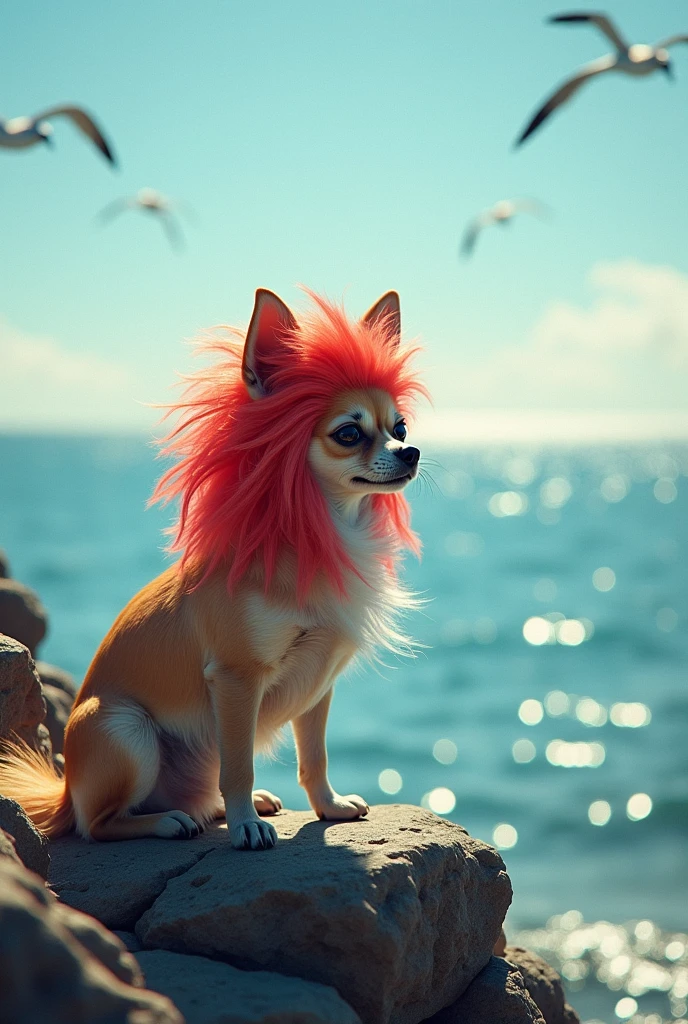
<point x="242" y="476"/>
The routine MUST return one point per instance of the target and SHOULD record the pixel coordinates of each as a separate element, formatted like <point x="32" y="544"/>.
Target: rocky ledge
<point x="398" y="912"/>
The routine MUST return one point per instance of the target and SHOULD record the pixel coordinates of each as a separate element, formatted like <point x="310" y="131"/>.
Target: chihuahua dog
<point x="291" y="456"/>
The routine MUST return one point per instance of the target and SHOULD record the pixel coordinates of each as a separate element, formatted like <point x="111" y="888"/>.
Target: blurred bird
<point x="637" y="60"/>
<point x="22" y="132"/>
<point x="501" y="213"/>
<point x="149" y="201"/>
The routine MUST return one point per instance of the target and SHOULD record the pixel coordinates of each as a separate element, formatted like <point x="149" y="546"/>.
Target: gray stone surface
<point x="544" y="985"/>
<point x="22" y="616"/>
<point x="48" y="971"/>
<point x="398" y="911"/>
<point x="497" y="996"/>
<point x="51" y="675"/>
<point x="58" y="705"/>
<point x="117" y="882"/>
<point x="22" y="706"/>
<point x="31" y="845"/>
<point x="4" y="565"/>
<point x="209" y="992"/>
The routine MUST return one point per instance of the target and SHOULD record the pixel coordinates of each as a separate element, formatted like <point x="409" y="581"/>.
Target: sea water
<point x="547" y="711"/>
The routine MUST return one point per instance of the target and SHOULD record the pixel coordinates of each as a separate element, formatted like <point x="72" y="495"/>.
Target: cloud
<point x="46" y="386"/>
<point x="627" y="348"/>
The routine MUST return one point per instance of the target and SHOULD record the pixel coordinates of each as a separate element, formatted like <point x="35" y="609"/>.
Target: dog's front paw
<point x="266" y="802"/>
<point x="342" y="808"/>
<point x="252" y="834"/>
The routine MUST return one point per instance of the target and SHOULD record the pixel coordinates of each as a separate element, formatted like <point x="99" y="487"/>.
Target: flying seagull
<point x="501" y="213"/>
<point x="22" y="132"/>
<point x="149" y="201"/>
<point x="637" y="60"/>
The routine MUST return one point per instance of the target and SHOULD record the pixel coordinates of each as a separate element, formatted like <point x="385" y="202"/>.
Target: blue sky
<point x="343" y="146"/>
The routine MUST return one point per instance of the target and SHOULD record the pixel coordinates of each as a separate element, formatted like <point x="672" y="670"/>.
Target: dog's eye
<point x="348" y="435"/>
<point x="400" y="430"/>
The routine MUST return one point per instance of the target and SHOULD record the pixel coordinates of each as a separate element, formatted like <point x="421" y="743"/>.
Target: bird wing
<point x="671" y="41"/>
<point x="601" y="20"/>
<point x="172" y="230"/>
<point x="85" y="123"/>
<point x="565" y="92"/>
<point x="114" y="209"/>
<point x="472" y="231"/>
<point x="527" y="205"/>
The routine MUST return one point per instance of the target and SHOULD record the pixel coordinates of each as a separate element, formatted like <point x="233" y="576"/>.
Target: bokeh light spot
<point x="599" y="812"/>
<point x="520" y="471"/>
<point x="589" y="712"/>
<point x="441" y="800"/>
<point x="538" y="631"/>
<point x="445" y="751"/>
<point x="570" y="632"/>
<point x="557" y="703"/>
<point x="633" y="715"/>
<point x="530" y="712"/>
<point x="508" y="503"/>
<point x="390" y="781"/>
<point x="625" y="1008"/>
<point x="555" y="492"/>
<point x="504" y="836"/>
<point x="603" y="579"/>
<point x="614" y="487"/>
<point x="523" y="751"/>
<point x="665" y="490"/>
<point x="638" y="806"/>
<point x="563" y="754"/>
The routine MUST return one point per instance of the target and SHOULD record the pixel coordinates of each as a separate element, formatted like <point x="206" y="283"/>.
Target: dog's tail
<point x="27" y="777"/>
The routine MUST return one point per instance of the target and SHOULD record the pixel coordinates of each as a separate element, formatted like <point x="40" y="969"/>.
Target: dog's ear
<point x="270" y="321"/>
<point x="386" y="310"/>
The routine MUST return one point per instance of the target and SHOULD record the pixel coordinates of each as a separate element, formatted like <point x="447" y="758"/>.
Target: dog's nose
<point x="408" y="455"/>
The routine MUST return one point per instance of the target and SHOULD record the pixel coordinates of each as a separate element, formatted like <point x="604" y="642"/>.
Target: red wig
<point x="242" y="475"/>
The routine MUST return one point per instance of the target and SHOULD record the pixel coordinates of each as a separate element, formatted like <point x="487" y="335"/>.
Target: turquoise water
<point x="73" y="522"/>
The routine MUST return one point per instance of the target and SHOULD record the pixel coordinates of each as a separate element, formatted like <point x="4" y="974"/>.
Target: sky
<point x="345" y="146"/>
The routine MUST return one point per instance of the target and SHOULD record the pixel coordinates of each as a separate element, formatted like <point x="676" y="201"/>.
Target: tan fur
<point x="190" y="679"/>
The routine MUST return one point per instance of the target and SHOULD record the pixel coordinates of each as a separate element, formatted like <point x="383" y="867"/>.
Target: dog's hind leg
<point x="112" y="759"/>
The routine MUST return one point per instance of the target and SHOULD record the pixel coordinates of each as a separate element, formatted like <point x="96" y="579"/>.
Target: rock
<point x="497" y="996"/>
<point x="22" y="707"/>
<point x="48" y="975"/>
<point x="22" y="616"/>
<point x="31" y="845"/>
<point x="51" y="675"/>
<point x="58" y="705"/>
<point x="4" y="565"/>
<point x="103" y="944"/>
<point x="130" y="940"/>
<point x="117" y="882"/>
<point x="500" y="944"/>
<point x="398" y="911"/>
<point x="544" y="985"/>
<point x="8" y="847"/>
<point x="208" y="992"/>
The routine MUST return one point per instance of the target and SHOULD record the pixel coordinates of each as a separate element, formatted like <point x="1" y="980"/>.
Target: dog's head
<point x="295" y="421"/>
<point x="359" y="444"/>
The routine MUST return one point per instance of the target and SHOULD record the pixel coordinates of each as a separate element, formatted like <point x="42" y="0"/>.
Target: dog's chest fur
<point x="362" y="619"/>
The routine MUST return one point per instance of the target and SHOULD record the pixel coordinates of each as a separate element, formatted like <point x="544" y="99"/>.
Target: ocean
<point x="547" y="711"/>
